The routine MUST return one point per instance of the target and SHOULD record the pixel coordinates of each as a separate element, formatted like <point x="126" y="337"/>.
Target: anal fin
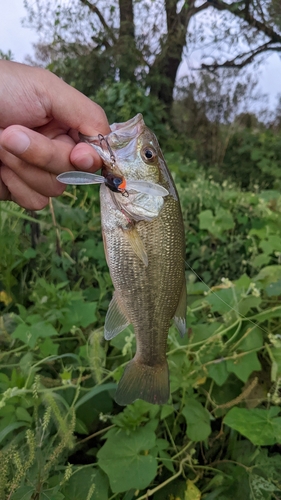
<point x="180" y="314"/>
<point x="136" y="243"/>
<point x="116" y="320"/>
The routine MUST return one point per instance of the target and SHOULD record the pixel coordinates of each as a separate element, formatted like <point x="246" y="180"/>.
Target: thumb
<point x="73" y="108"/>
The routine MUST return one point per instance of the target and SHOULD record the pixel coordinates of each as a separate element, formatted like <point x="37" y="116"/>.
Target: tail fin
<point x="139" y="381"/>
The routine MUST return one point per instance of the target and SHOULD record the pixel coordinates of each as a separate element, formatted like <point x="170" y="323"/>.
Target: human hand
<point x="40" y="116"/>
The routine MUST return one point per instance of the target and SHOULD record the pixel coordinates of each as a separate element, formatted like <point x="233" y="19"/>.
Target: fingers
<point x="43" y="182"/>
<point x="52" y="159"/>
<point x="20" y="193"/>
<point x="52" y="155"/>
<point x="83" y="156"/>
<point x="21" y="145"/>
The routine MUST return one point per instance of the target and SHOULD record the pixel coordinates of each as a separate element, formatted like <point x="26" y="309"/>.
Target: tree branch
<point x="245" y="15"/>
<point x="93" y="8"/>
<point x="201" y="7"/>
<point x="251" y="55"/>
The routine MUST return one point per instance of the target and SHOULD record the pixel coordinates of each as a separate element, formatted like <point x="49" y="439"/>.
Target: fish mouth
<point x="119" y="143"/>
<point x="129" y="128"/>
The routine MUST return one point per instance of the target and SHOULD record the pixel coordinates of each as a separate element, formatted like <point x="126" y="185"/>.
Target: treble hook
<point x="112" y="156"/>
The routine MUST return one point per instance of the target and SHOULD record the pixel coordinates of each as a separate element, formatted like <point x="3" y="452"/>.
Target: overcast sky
<point x="19" y="40"/>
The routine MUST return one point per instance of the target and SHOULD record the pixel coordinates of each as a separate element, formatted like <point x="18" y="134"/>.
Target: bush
<point x="121" y="101"/>
<point x="253" y="159"/>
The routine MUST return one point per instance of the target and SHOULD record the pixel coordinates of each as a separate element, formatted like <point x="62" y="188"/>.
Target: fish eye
<point x="148" y="154"/>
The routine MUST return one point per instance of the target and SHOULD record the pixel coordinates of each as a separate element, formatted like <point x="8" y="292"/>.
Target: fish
<point x="144" y="242"/>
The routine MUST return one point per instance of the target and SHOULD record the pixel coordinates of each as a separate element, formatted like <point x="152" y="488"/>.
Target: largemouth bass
<point x="144" y="243"/>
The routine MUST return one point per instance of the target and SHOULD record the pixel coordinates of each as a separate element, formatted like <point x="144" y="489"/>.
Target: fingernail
<point x="85" y="161"/>
<point x="17" y="142"/>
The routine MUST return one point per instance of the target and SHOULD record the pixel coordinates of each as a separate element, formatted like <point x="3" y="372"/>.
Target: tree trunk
<point x="126" y="51"/>
<point x="162" y="75"/>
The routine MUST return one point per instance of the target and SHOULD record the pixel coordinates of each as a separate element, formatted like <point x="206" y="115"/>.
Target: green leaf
<point x="224" y="220"/>
<point x="243" y="366"/>
<point x="22" y="414"/>
<point x="23" y="493"/>
<point x="266" y="247"/>
<point x="203" y="331"/>
<point x="197" y="419"/>
<point x="80" y="427"/>
<point x="10" y="428"/>
<point x="6" y="410"/>
<point x="253" y="340"/>
<point x="273" y="289"/>
<point x="126" y="459"/>
<point x="259" y="485"/>
<point x="167" y="461"/>
<point x="26" y="363"/>
<point x="206" y="219"/>
<point x="248" y="303"/>
<point x="29" y="334"/>
<point x="81" y="314"/>
<point x="4" y="381"/>
<point x="166" y="410"/>
<point x="48" y="348"/>
<point x="274" y="312"/>
<point x="260" y="260"/>
<point x="218" y="224"/>
<point x="243" y="282"/>
<point x="222" y="301"/>
<point x="269" y="274"/>
<point x="30" y="253"/>
<point x="261" y="427"/>
<point x="79" y="484"/>
<point x="93" y="392"/>
<point x="51" y="495"/>
<point x="276" y="363"/>
<point x="218" y="372"/>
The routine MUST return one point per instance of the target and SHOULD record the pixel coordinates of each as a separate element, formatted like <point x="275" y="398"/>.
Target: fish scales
<point x="150" y="294"/>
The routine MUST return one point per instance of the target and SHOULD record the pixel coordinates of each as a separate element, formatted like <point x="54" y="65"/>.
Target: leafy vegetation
<point x="62" y="435"/>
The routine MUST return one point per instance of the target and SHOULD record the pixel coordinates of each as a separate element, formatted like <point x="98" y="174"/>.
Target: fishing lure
<point x="113" y="182"/>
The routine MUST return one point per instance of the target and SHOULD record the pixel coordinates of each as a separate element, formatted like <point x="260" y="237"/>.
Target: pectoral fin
<point x="180" y="314"/>
<point x="136" y="243"/>
<point x="115" y="320"/>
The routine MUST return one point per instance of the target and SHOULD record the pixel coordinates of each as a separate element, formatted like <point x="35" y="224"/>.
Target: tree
<point x="146" y="41"/>
<point x="210" y="109"/>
